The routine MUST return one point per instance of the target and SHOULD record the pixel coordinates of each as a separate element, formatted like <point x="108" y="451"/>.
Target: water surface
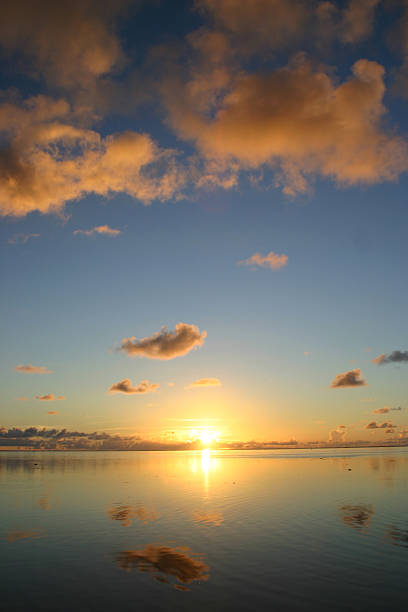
<point x="283" y="530"/>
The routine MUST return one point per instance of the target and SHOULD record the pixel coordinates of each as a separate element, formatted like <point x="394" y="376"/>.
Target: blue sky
<point x="276" y="338"/>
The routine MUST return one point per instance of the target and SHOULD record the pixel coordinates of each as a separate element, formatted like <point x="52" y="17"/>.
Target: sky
<point x="203" y="223"/>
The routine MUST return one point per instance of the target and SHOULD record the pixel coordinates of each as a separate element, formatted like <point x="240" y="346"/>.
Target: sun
<point x="207" y="437"/>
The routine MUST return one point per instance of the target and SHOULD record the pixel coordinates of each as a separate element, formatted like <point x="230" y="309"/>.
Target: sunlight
<point x="206" y="436"/>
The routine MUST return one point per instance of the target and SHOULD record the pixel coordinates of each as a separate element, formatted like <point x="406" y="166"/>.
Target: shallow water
<point x="282" y="530"/>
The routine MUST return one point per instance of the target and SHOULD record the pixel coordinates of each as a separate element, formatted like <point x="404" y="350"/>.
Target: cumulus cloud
<point x="71" y="42"/>
<point x="338" y="434"/>
<point x="125" y="386"/>
<point x="394" y="357"/>
<point x="297" y="120"/>
<point x="204" y="382"/>
<point x="46" y="160"/>
<point x="358" y="20"/>
<point x="21" y="238"/>
<point x="103" y="230"/>
<point x="271" y="260"/>
<point x="49" y="397"/>
<point x="385" y="425"/>
<point x="352" y="378"/>
<point x="384" y="410"/>
<point x="30" y="369"/>
<point x="165" y="344"/>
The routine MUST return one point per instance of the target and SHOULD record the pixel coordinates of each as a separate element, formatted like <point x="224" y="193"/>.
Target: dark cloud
<point x="394" y="357"/>
<point x="352" y="378"/>
<point x="398" y="536"/>
<point x="164" y="562"/>
<point x="165" y="344"/>
<point x="49" y="397"/>
<point x="125" y="386"/>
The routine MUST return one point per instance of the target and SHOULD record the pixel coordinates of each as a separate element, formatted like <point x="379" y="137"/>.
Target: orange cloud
<point x="49" y="397"/>
<point x="352" y="378"/>
<point x="358" y="20"/>
<point x="125" y="386"/>
<point x="271" y="260"/>
<point x="47" y="161"/>
<point x="30" y="369"/>
<point x="103" y="230"/>
<point x="297" y="119"/>
<point x="384" y="410"/>
<point x="385" y="425"/>
<point x="71" y="42"/>
<point x="165" y="344"/>
<point x="338" y="434"/>
<point x="204" y="382"/>
<point x="52" y="412"/>
<point x="13" y="536"/>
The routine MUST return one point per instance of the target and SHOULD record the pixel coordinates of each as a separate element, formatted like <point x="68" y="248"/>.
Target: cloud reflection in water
<point x="165" y="561"/>
<point x="357" y="517"/>
<point x="124" y="514"/>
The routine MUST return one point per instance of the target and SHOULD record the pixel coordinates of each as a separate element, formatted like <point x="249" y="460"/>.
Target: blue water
<point x="244" y="530"/>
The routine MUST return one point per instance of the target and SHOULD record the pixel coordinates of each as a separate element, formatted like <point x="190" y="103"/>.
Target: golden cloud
<point x="204" y="382"/>
<point x="48" y="161"/>
<point x="165" y="344"/>
<point x="352" y="378"/>
<point x="125" y="386"/>
<point x="271" y="260"/>
<point x="30" y="369"/>
<point x="103" y="230"/>
<point x="49" y="397"/>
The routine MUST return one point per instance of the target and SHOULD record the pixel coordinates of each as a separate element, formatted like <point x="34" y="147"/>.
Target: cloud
<point x="385" y="425"/>
<point x="47" y="161"/>
<point x="30" y="369"/>
<point x="165" y="344"/>
<point x="104" y="230"/>
<point x="52" y="412"/>
<point x="49" y="397"/>
<point x="271" y="260"/>
<point x="164" y="562"/>
<point x="23" y="399"/>
<point x="204" y="382"/>
<point x="297" y="120"/>
<point x="21" y="238"/>
<point x="394" y="357"/>
<point x="352" y="378"/>
<point x="338" y="434"/>
<point x="384" y="410"/>
<point x="125" y="386"/>
<point x="13" y="536"/>
<point x="358" y="20"/>
<point x="72" y="43"/>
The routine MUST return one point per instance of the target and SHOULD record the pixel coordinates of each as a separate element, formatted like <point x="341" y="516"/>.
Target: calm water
<point x="285" y="530"/>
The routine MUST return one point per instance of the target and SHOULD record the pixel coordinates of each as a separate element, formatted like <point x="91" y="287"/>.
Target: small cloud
<point x="102" y="230"/>
<point x="13" y="536"/>
<point x="171" y="384"/>
<point x="352" y="378"/>
<point x="338" y="434"/>
<point x="165" y="344"/>
<point x="397" y="408"/>
<point x="385" y="425"/>
<point x="382" y="410"/>
<point x="30" y="369"/>
<point x="52" y="412"/>
<point x="49" y="397"/>
<point x="394" y="357"/>
<point x="368" y="349"/>
<point x="21" y="238"/>
<point x="307" y="353"/>
<point x="23" y="399"/>
<point x="125" y="386"/>
<point x="271" y="260"/>
<point x="204" y="382"/>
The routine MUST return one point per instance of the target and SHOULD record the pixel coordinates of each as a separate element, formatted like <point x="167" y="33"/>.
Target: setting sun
<point x="206" y="436"/>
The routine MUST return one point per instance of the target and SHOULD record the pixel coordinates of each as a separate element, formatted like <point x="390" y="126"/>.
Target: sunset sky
<point x="204" y="221"/>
